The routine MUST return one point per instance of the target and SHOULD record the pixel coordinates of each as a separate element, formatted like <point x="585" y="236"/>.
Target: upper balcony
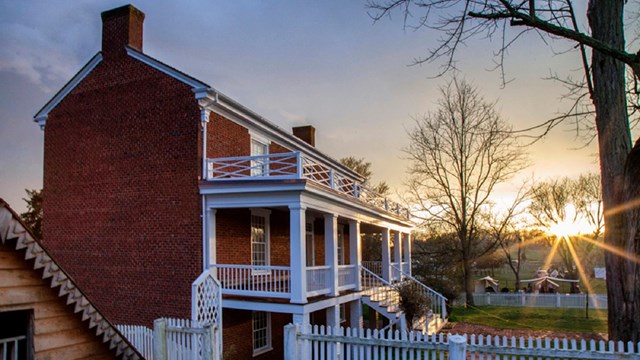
<point x="298" y="166"/>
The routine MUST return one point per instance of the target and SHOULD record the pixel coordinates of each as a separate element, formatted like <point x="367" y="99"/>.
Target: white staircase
<point x="382" y="296"/>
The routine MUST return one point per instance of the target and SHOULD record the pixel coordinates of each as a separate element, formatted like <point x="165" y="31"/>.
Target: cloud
<point x="45" y="49"/>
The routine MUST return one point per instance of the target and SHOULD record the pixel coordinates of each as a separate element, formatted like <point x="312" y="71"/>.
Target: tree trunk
<point x="468" y="280"/>
<point x="614" y="141"/>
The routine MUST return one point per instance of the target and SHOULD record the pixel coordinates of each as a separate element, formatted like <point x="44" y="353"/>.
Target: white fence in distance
<point x="320" y="343"/>
<point x="578" y="301"/>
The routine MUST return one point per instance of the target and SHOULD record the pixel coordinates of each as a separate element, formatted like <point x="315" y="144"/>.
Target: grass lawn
<point x="533" y="318"/>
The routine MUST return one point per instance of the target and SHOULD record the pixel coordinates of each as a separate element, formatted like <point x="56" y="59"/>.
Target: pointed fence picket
<point x="141" y="337"/>
<point x="323" y="343"/>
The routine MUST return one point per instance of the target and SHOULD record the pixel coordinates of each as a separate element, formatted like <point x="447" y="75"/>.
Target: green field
<point x="533" y="318"/>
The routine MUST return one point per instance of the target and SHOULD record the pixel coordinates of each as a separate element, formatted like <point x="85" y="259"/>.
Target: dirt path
<point x="467" y="328"/>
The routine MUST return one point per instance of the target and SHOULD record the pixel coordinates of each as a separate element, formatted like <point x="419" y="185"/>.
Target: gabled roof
<point x="202" y="91"/>
<point x="12" y="230"/>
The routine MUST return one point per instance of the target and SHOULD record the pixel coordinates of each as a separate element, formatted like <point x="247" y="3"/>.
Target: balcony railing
<point x="295" y="165"/>
<point x="347" y="275"/>
<point x="318" y="280"/>
<point x="268" y="281"/>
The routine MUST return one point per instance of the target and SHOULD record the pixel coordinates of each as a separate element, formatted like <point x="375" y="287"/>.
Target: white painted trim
<point x="211" y="237"/>
<point x="288" y="308"/>
<point x="43" y="114"/>
<point x="197" y="86"/>
<point x="268" y="347"/>
<point x="259" y="137"/>
<point x="257" y="193"/>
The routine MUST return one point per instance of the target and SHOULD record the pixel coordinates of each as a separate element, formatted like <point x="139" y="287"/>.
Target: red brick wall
<point x="226" y="138"/>
<point x="122" y="211"/>
<point x="233" y="236"/>
<point x="237" y="335"/>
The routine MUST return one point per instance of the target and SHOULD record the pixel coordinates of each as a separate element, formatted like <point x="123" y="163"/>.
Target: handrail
<point x="441" y="300"/>
<point x="294" y="165"/>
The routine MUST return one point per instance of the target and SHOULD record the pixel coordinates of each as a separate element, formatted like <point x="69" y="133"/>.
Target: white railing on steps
<point x="438" y="301"/>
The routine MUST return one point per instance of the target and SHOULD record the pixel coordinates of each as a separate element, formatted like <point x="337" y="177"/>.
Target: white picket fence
<point x="141" y="337"/>
<point x="173" y="339"/>
<point x="596" y="301"/>
<point x="320" y="343"/>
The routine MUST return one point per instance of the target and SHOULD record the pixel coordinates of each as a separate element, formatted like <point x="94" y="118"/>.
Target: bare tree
<point x="459" y="153"/>
<point x="460" y="21"/>
<point x="562" y="207"/>
<point x="503" y="228"/>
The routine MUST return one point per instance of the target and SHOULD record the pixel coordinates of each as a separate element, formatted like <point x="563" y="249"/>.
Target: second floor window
<point x="260" y="164"/>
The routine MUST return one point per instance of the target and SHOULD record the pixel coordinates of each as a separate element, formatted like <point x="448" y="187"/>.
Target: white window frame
<point x="258" y="167"/>
<point x="265" y="215"/>
<point x="267" y="346"/>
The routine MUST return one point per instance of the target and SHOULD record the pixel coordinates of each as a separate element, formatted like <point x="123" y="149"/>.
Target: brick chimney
<point x="306" y="133"/>
<point x="121" y="27"/>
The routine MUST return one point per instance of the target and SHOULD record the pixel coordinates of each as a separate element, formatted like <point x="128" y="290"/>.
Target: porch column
<point x="355" y="250"/>
<point x="333" y="315"/>
<point x="298" y="270"/>
<point x="301" y="319"/>
<point x="210" y="239"/>
<point x="331" y="252"/>
<point x="397" y="255"/>
<point x="406" y="248"/>
<point x="355" y="320"/>
<point x="386" y="255"/>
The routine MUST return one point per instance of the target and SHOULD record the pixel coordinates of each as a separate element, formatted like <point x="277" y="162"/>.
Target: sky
<point x="324" y="63"/>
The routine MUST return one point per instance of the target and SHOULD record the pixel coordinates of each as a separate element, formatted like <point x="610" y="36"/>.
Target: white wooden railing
<point x="318" y="280"/>
<point x="373" y="266"/>
<point x="295" y="165"/>
<point x="254" y="280"/>
<point x="347" y="275"/>
<point x="9" y="348"/>
<point x="438" y="301"/>
<point x="321" y="343"/>
<point x="379" y="290"/>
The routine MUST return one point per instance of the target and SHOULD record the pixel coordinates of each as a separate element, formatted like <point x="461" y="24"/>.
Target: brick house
<point x="153" y="176"/>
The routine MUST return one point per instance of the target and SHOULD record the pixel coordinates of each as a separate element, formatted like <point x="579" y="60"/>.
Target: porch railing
<point x="296" y="165"/>
<point x="317" y="280"/>
<point x="347" y="275"/>
<point x="272" y="281"/>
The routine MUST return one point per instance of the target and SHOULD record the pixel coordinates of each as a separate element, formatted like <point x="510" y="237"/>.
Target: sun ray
<point x="612" y="249"/>
<point x="578" y="263"/>
<point x="623" y="207"/>
<point x="552" y="254"/>
<point x="580" y="268"/>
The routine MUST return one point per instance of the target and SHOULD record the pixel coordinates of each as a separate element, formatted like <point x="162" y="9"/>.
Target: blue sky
<point x="323" y="63"/>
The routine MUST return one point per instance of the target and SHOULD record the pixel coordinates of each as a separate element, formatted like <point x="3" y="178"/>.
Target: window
<point x="261" y="322"/>
<point x="15" y="340"/>
<point x="343" y="312"/>
<point x="260" y="237"/>
<point x="341" y="245"/>
<point x="260" y="165"/>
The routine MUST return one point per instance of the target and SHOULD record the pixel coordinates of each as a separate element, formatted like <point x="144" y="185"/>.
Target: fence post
<point x="160" y="339"/>
<point x="290" y="342"/>
<point x="557" y="299"/>
<point x="208" y="353"/>
<point x="457" y="347"/>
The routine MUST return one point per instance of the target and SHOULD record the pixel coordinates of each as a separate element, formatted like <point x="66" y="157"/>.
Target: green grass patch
<point x="533" y="318"/>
